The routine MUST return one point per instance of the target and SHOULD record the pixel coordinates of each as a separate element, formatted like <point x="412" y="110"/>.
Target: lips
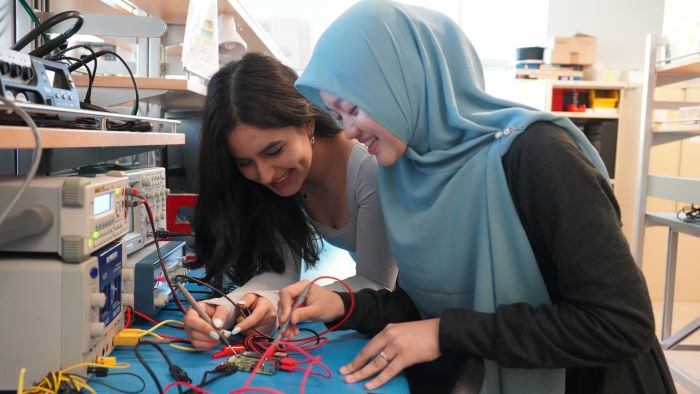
<point x="371" y="144"/>
<point x="281" y="180"/>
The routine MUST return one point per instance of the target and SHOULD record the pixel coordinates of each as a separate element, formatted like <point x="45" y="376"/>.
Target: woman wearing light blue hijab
<point x="500" y="217"/>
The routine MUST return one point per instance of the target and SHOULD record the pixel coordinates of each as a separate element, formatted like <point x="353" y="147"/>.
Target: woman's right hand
<point x="262" y="315"/>
<point x="320" y="305"/>
<point x="202" y="335"/>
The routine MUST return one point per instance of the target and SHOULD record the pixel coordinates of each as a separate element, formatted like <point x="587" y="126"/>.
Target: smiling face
<point x="278" y="158"/>
<point x="357" y="124"/>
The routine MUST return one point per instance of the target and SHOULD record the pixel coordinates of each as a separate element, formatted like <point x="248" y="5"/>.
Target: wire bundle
<point x="57" y="382"/>
<point x="689" y="214"/>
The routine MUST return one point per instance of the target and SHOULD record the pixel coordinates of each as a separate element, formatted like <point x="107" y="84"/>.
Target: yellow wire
<point x="35" y="389"/>
<point x="164" y="322"/>
<point x="153" y="334"/>
<point x="80" y="384"/>
<point x="76" y="366"/>
<point x="189" y="349"/>
<point x="20" y="381"/>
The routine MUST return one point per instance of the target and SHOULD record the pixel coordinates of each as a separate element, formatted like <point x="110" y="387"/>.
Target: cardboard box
<point x="579" y="49"/>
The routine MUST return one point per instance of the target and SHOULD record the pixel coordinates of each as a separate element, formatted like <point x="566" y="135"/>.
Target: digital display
<point x="102" y="204"/>
<point x="57" y="78"/>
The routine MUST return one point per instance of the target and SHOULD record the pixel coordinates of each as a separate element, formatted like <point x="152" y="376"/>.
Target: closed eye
<point x="276" y="151"/>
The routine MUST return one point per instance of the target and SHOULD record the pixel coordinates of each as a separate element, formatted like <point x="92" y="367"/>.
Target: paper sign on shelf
<point x="200" y="52"/>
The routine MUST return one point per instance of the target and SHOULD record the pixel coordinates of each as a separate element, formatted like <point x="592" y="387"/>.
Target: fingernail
<point x="213" y="335"/>
<point x="217" y="322"/>
<point x="241" y="302"/>
<point x="369" y="386"/>
<point x="227" y="333"/>
<point x="235" y="330"/>
<point x="342" y="370"/>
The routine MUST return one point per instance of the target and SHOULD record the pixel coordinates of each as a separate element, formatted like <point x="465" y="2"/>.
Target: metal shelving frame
<point x="660" y="73"/>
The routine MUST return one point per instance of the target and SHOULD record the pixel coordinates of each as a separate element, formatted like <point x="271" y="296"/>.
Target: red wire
<point x="152" y="320"/>
<point x="188" y="385"/>
<point x="256" y="389"/>
<point x="127" y="318"/>
<point x="136" y="193"/>
<point x="258" y="346"/>
<point x="312" y="360"/>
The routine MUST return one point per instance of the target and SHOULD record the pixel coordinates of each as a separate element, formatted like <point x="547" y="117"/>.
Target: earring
<point x="312" y="139"/>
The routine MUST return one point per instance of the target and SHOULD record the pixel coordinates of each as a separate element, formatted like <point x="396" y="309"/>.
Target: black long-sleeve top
<point x="599" y="326"/>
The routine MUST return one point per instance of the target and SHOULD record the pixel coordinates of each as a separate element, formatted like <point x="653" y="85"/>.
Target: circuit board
<point x="246" y="361"/>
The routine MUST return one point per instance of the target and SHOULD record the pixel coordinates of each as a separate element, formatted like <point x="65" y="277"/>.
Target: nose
<point x="266" y="173"/>
<point x="351" y="131"/>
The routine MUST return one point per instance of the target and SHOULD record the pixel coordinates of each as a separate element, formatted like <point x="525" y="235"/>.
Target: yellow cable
<point x="152" y="329"/>
<point x="82" y="384"/>
<point x="20" y="381"/>
<point x="76" y="366"/>
<point x="34" y="389"/>
<point x="189" y="349"/>
<point x="153" y="334"/>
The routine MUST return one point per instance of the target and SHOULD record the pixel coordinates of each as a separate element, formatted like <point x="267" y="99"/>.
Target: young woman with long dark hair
<point x="276" y="172"/>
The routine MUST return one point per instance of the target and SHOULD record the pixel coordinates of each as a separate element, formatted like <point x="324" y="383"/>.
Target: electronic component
<point x="29" y="79"/>
<point x="71" y="216"/>
<point x="55" y="314"/>
<point x="145" y="287"/>
<point x="247" y="361"/>
<point x="150" y="182"/>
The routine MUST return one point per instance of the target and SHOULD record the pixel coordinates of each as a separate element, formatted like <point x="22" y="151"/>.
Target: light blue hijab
<point x="449" y="215"/>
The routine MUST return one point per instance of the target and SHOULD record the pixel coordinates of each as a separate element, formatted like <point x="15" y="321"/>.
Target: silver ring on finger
<point x="384" y="356"/>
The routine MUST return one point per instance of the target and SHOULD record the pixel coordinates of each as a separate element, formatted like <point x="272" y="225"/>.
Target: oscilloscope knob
<point x="27" y="73"/>
<point x="98" y="300"/>
<point x="15" y="70"/>
<point x="97" y="329"/>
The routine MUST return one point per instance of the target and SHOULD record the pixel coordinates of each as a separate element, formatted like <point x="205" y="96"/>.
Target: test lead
<point x="297" y="303"/>
<point x="194" y="305"/>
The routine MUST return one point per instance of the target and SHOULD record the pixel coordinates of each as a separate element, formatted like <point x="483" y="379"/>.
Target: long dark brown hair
<point x="241" y="227"/>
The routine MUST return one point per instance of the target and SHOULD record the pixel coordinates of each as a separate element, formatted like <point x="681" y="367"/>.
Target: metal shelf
<point x="167" y="92"/>
<point x="673" y="131"/>
<point x="673" y="188"/>
<point x="587" y="115"/>
<point x="670" y="220"/>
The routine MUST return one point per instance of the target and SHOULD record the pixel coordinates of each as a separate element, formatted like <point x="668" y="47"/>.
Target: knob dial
<point x="97" y="329"/>
<point x="98" y="300"/>
<point x="15" y="70"/>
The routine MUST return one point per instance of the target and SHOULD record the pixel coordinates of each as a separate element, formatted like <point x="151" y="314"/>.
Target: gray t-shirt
<point x="364" y="237"/>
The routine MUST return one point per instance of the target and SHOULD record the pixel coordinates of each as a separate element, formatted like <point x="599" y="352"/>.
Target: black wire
<point x="148" y="368"/>
<point x="46" y="48"/>
<point x="115" y="388"/>
<point x="88" y="93"/>
<point x="222" y="294"/>
<point x="173" y="289"/>
<point x="690" y="214"/>
<point x="314" y="333"/>
<point x="88" y="58"/>
<point x="91" y="75"/>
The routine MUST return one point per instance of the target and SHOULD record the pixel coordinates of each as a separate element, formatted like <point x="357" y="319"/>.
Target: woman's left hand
<point x="396" y="347"/>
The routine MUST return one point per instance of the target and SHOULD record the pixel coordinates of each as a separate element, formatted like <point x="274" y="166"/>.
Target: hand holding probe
<point x="194" y="305"/>
<point x="300" y="300"/>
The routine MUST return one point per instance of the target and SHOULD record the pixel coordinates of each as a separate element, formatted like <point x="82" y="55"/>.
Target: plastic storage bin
<point x="603" y="98"/>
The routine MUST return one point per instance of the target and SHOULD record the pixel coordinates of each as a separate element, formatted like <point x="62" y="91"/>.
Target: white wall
<point x="620" y="25"/>
<point x="680" y="14"/>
